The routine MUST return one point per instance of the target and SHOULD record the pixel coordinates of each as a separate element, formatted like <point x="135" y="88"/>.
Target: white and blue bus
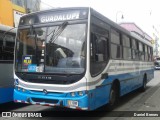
<point x="7" y="40"/>
<point x="77" y="58"/>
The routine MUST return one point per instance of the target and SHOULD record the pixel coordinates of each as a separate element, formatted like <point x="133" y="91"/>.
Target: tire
<point x="113" y="97"/>
<point x="143" y="88"/>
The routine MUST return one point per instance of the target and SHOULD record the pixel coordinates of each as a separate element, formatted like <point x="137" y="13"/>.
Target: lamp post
<point x="122" y="17"/>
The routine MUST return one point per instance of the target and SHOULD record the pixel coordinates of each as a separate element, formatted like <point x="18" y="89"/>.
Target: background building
<point x="32" y="5"/>
<point x="10" y="13"/>
<point x="132" y="27"/>
<point x="156" y="38"/>
<point x="14" y="9"/>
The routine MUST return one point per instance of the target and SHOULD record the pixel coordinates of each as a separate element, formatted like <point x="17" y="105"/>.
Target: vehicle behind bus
<point x="7" y="40"/>
<point x="157" y="63"/>
<point x="77" y="58"/>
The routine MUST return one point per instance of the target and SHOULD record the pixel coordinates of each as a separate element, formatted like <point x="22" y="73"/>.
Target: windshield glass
<point x="42" y="50"/>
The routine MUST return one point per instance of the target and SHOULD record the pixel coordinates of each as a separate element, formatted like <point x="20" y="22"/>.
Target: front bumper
<point x="52" y="99"/>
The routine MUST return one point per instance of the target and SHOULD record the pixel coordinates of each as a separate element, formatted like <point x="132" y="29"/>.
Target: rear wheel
<point x="143" y="88"/>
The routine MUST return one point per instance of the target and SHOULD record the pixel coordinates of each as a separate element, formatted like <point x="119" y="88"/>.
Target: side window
<point x="146" y="52"/>
<point x="141" y="51"/>
<point x="98" y="51"/>
<point x="116" y="50"/>
<point x="99" y="44"/>
<point x="151" y="50"/>
<point x="6" y="47"/>
<point x="134" y="49"/>
<point x="1" y="46"/>
<point x="126" y="47"/>
<point x="9" y="50"/>
<point x="149" y="53"/>
<point x="115" y="37"/>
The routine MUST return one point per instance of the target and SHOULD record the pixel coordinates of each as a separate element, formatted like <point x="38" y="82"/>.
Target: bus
<point x="7" y="40"/>
<point x="77" y="58"/>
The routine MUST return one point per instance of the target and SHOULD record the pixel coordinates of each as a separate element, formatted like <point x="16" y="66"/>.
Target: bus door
<point x="98" y="60"/>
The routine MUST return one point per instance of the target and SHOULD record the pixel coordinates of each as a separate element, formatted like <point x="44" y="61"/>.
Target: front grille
<point x="40" y="92"/>
<point x="55" y="79"/>
<point x="44" y="100"/>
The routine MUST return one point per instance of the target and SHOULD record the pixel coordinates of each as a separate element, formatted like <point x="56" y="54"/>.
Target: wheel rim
<point x="144" y="84"/>
<point x="112" y="97"/>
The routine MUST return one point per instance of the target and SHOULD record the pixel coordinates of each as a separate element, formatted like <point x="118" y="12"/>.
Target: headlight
<point x="80" y="93"/>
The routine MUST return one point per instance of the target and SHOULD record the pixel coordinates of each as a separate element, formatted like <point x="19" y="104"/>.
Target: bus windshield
<point x="51" y="49"/>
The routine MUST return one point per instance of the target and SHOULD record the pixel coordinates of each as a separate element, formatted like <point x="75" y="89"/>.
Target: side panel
<point x="99" y="96"/>
<point x="6" y="82"/>
<point x="129" y="74"/>
<point x="102" y="95"/>
<point x="6" y="95"/>
<point x="6" y="75"/>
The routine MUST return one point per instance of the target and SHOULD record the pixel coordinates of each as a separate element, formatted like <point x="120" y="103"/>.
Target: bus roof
<point x="141" y="39"/>
<point x="100" y="16"/>
<point x="55" y="9"/>
<point x="118" y="27"/>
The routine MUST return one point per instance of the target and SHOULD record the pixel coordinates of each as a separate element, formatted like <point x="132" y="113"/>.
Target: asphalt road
<point x="134" y="101"/>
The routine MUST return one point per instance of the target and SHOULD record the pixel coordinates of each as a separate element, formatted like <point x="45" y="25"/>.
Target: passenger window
<point x="149" y="53"/>
<point x="134" y="50"/>
<point x="98" y="52"/>
<point x="141" y="51"/>
<point x="126" y="47"/>
<point x="116" y="50"/>
<point x="6" y="47"/>
<point x="115" y="37"/>
<point x="146" y="53"/>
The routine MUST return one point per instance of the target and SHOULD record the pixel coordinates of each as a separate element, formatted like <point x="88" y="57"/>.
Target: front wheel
<point x="114" y="97"/>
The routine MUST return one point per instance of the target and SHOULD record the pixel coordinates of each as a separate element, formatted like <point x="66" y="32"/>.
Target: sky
<point x="144" y="13"/>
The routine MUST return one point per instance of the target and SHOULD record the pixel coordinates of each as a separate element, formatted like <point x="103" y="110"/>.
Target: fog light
<point x="73" y="103"/>
<point x="73" y="94"/>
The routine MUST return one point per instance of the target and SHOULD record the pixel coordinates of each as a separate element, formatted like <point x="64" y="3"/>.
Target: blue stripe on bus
<point x="127" y="84"/>
<point x="94" y="98"/>
<point x="6" y="94"/>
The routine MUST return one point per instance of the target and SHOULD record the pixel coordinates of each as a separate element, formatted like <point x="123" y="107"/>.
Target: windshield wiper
<point x="56" y="33"/>
<point x="33" y="35"/>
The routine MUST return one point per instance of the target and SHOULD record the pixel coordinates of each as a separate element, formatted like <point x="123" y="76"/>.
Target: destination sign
<point x="52" y="17"/>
